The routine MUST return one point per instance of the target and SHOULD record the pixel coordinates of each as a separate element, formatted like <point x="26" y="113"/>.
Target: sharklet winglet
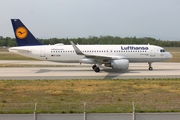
<point x="78" y="52"/>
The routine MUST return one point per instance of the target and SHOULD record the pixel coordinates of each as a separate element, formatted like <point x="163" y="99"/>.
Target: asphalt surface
<point x="67" y="71"/>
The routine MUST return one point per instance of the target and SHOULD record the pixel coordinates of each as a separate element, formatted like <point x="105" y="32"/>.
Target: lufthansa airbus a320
<point x="114" y="56"/>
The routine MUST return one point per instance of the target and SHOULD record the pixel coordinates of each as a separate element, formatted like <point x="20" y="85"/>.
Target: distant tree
<point x="97" y="40"/>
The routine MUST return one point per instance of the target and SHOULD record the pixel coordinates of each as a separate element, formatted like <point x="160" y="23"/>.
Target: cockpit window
<point x="162" y="50"/>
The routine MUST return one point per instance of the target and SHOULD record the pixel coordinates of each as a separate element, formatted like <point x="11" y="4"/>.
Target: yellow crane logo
<point x="21" y="32"/>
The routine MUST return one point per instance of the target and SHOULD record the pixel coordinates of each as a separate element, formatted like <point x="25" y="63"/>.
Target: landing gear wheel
<point x="96" y="69"/>
<point x="94" y="66"/>
<point x="150" y="68"/>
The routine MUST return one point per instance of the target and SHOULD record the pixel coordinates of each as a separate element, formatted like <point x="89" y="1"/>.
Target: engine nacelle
<point x="87" y="61"/>
<point x="122" y="64"/>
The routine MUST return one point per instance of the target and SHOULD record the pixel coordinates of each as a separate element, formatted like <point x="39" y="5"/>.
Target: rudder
<point x="23" y="36"/>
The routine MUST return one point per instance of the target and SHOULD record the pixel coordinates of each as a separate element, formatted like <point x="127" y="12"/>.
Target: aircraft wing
<point x="103" y="56"/>
<point x="99" y="58"/>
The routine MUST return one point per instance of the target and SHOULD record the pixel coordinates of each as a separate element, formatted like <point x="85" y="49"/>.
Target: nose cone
<point x="169" y="55"/>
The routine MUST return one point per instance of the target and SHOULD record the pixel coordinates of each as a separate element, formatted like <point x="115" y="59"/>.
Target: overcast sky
<point x="159" y="19"/>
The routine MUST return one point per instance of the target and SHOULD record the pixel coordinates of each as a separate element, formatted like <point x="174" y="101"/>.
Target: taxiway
<point x="76" y="71"/>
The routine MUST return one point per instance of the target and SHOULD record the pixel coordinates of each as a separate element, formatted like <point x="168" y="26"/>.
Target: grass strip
<point x="101" y="96"/>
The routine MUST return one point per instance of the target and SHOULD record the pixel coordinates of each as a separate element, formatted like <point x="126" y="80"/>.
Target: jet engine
<point x="122" y="64"/>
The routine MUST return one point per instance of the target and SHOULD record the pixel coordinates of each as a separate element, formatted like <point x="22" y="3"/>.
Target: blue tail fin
<point x="23" y="35"/>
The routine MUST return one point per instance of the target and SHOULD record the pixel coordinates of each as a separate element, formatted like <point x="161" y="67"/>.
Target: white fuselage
<point x="66" y="53"/>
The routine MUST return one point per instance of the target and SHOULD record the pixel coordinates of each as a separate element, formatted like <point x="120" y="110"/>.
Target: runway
<point x="76" y="71"/>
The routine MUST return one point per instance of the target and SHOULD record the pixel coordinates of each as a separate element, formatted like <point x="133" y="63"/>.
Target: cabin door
<point x="42" y="52"/>
<point x="152" y="52"/>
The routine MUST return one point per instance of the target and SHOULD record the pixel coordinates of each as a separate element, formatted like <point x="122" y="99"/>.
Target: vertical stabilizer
<point x="23" y="35"/>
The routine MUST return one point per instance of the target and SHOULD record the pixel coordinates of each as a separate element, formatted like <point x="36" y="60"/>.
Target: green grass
<point x="176" y="57"/>
<point x="175" y="51"/>
<point x="3" y="49"/>
<point x="172" y="49"/>
<point x="12" y="56"/>
<point x="101" y="96"/>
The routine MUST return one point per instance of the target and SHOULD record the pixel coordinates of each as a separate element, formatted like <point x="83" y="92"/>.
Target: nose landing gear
<point x="150" y="66"/>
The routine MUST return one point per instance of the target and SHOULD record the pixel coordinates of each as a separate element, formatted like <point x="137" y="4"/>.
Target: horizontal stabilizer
<point x="19" y="50"/>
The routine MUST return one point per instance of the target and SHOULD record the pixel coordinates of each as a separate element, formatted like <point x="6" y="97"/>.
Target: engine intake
<point x="122" y="64"/>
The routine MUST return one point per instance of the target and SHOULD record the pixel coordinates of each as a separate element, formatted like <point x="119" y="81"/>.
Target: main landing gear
<point x="150" y="66"/>
<point x="95" y="68"/>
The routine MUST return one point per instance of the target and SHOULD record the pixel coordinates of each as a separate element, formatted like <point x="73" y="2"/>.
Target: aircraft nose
<point x="169" y="55"/>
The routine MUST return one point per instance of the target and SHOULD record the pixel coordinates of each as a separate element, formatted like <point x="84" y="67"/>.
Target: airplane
<point x="114" y="56"/>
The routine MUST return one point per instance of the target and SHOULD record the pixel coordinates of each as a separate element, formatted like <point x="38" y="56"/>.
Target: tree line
<point x="9" y="42"/>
